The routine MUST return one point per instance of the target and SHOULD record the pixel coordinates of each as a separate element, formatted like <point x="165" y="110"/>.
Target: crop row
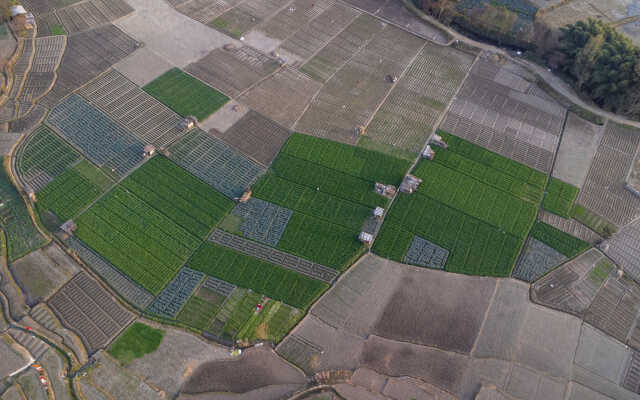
<point x="475" y="247"/>
<point x="560" y="198"/>
<point x="185" y="199"/>
<point x="262" y="221"/>
<point x="173" y="297"/>
<point x="426" y="254"/>
<point x="563" y="242"/>
<point x="366" y="164"/>
<point x="310" y="201"/>
<point x="185" y="94"/>
<point x="260" y="276"/>
<point x="477" y="199"/>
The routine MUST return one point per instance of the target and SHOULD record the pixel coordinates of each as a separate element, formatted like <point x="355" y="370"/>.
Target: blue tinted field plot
<point x="101" y="140"/>
<point x="263" y="221"/>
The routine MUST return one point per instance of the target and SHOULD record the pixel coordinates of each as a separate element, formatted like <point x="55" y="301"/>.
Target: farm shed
<point x="428" y="153"/>
<point x="437" y="140"/>
<point x="410" y="184"/>
<point x="188" y="123"/>
<point x="385" y="190"/>
<point x="378" y="212"/>
<point x="366" y="238"/>
<point x="149" y="150"/>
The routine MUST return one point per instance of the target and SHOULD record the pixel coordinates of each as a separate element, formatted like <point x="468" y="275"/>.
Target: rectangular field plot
<point x="101" y="140"/>
<point x="560" y="197"/>
<point x="233" y="71"/>
<point x="624" y="249"/>
<point x="313" y="36"/>
<point x="494" y="109"/>
<point x="185" y="94"/>
<point x="205" y="10"/>
<point x="73" y="190"/>
<point x="27" y="122"/>
<point x="92" y="13"/>
<point x="43" y="156"/>
<point x="537" y="259"/>
<point x="127" y="288"/>
<point x="350" y="98"/>
<point x="21" y="235"/>
<point x="263" y="277"/>
<point x="256" y="136"/>
<point x="215" y="162"/>
<point x="21" y="67"/>
<point x="246" y="15"/>
<point x="198" y="312"/>
<point x="283" y="96"/>
<point x="341" y="48"/>
<point x="415" y="104"/>
<point x="49" y="24"/>
<point x="47" y="57"/>
<point x="603" y="191"/>
<point x="426" y="254"/>
<point x="169" y="303"/>
<point x="133" y="108"/>
<point x="86" y="56"/>
<point x="563" y="242"/>
<point x="90" y="311"/>
<point x="262" y="221"/>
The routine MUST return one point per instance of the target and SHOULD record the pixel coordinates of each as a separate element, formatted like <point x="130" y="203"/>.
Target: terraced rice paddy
<point x="133" y="108"/>
<point x="603" y="191"/>
<point x="474" y="203"/>
<point x="169" y="303"/>
<point x="260" y="276"/>
<point x="233" y="71"/>
<point x="185" y="94"/>
<point x="146" y="228"/>
<point x="101" y="140"/>
<point x="42" y="156"/>
<point x="351" y="96"/>
<point x="84" y="306"/>
<point x="87" y="55"/>
<point x="125" y="286"/>
<point x="73" y="190"/>
<point x="256" y="136"/>
<point x="420" y="97"/>
<point x="21" y="235"/>
<point x="496" y="110"/>
<point x="92" y="13"/>
<point x="21" y="67"/>
<point x="216" y="163"/>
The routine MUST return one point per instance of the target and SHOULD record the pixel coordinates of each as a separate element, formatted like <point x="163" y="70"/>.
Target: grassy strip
<point x="139" y="339"/>
<point x="560" y="198"/>
<point x="263" y="277"/>
<point x="593" y="221"/>
<point x="563" y="242"/>
<point x="58" y="30"/>
<point x="185" y="94"/>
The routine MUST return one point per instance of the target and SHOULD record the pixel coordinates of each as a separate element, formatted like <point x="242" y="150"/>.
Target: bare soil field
<point x="225" y="117"/>
<point x="349" y="99"/>
<point x="570" y="226"/>
<point x="109" y="377"/>
<point x="202" y="10"/>
<point x="496" y="109"/>
<point x="87" y="55"/>
<point x="233" y="71"/>
<point x="420" y="97"/>
<point x="624" y="249"/>
<point x="283" y="96"/>
<point x="7" y="141"/>
<point x="603" y="191"/>
<point x="579" y="143"/>
<point x="255" y="368"/>
<point x="273" y="392"/>
<point x="186" y="352"/>
<point x="84" y="306"/>
<point x="42" y="272"/>
<point x="173" y="36"/>
<point x="143" y="66"/>
<point x="246" y="15"/>
<point x="87" y="15"/>
<point x="256" y="136"/>
<point x="13" y="358"/>
<point x="29" y="121"/>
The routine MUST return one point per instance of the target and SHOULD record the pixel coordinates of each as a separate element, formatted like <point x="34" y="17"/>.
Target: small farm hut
<point x="149" y="150"/>
<point x="428" y="153"/>
<point x="188" y="123"/>
<point x="30" y="193"/>
<point x="385" y="190"/>
<point x="378" y="212"/>
<point x="437" y="140"/>
<point x="366" y="238"/>
<point x="245" y="196"/>
<point x="360" y="130"/>
<point x="68" y="227"/>
<point x="410" y="184"/>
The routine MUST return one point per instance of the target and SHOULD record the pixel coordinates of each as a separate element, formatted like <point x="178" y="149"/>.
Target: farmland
<point x="173" y="297"/>
<point x="186" y="95"/>
<point x="477" y="205"/>
<point x="560" y="197"/>
<point x="563" y="242"/>
<point x="149" y="234"/>
<point x="260" y="276"/>
<point x="21" y="234"/>
<point x="73" y="190"/>
<point x="138" y="340"/>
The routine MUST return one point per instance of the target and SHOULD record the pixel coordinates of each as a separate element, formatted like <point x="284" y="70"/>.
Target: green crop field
<point x="185" y="94"/>
<point x="198" y="311"/>
<point x="172" y="190"/>
<point x="271" y="323"/>
<point x="22" y="235"/>
<point x="138" y="340"/>
<point x="262" y="277"/>
<point x="560" y="197"/>
<point x="563" y="242"/>
<point x="478" y="205"/>
<point x="73" y="190"/>
<point x="152" y="222"/>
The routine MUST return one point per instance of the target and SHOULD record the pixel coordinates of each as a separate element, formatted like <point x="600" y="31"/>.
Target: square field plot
<point x="185" y="94"/>
<point x="87" y="15"/>
<point x="99" y="138"/>
<point x="256" y="136"/>
<point x="150" y="224"/>
<point x="246" y="15"/>
<point x="215" y="162"/>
